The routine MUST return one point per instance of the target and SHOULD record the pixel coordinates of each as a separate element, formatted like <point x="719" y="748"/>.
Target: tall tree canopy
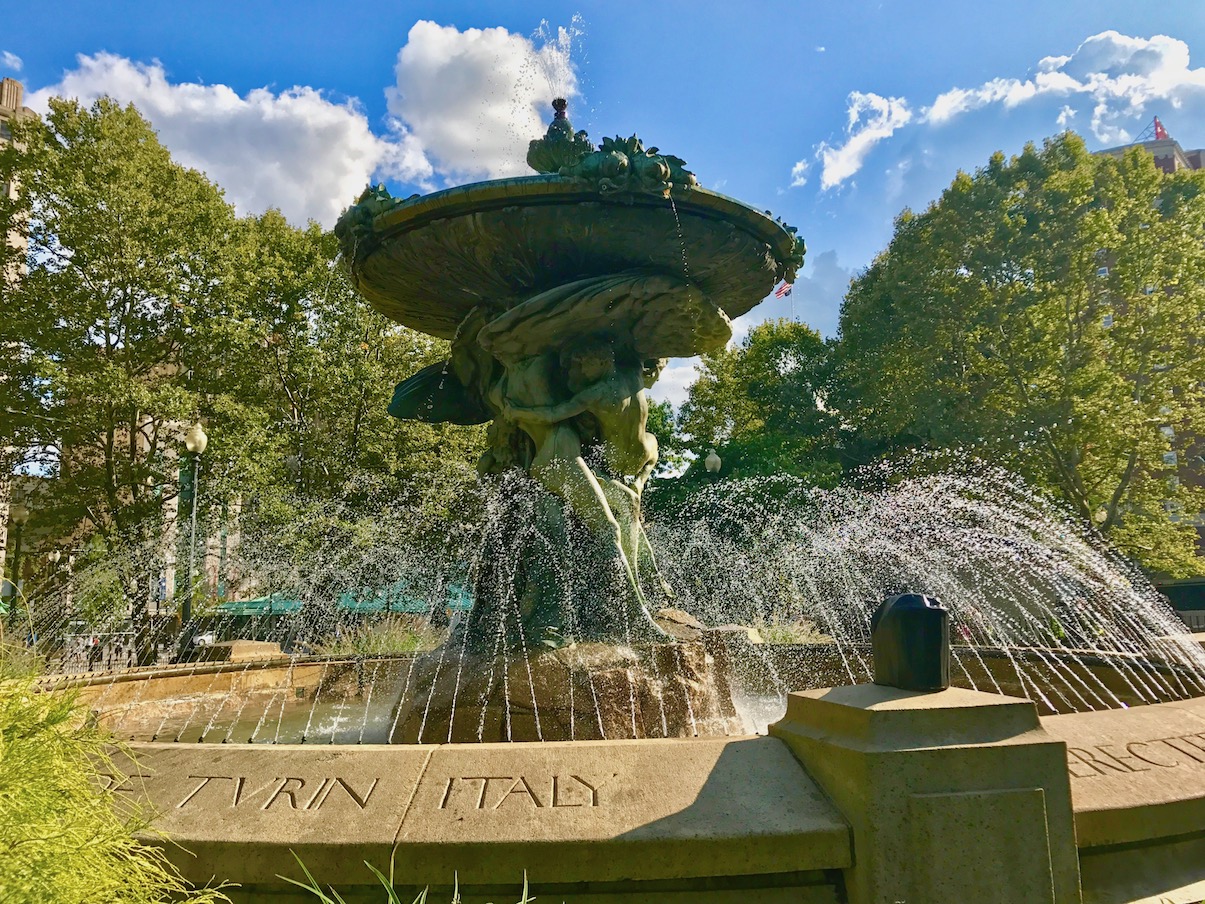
<point x="127" y="257"/>
<point x="148" y="304"/>
<point x="1047" y="313"/>
<point x="761" y="405"/>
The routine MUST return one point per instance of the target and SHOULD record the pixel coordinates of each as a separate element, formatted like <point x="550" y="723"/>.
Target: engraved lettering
<point x="1191" y="752"/>
<point x="314" y="797"/>
<point x="1103" y="748"/>
<point x="238" y="788"/>
<point x="284" y="789"/>
<point x="556" y="798"/>
<point x="256" y="793"/>
<point x="443" y="804"/>
<point x="1148" y="758"/>
<point x="325" y="795"/>
<point x="1088" y="757"/>
<point x="1074" y="761"/>
<point x="514" y="789"/>
<point x="205" y="780"/>
<point x="594" y="789"/>
<point x="1105" y="759"/>
<point x="121" y="784"/>
<point x="362" y="802"/>
<point x="485" y="784"/>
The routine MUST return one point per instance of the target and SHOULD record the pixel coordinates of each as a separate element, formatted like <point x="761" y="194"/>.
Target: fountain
<point x="560" y="294"/>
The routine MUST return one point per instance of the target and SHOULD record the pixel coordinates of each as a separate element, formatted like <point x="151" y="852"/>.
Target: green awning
<point x="264" y="605"/>
<point x="398" y="598"/>
<point x="390" y="599"/>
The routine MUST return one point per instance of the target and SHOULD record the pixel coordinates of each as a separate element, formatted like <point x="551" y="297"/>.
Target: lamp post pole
<point x="195" y="441"/>
<point x="19" y="514"/>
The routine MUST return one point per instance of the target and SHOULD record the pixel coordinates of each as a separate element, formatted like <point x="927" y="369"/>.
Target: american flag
<point x="783" y="291"/>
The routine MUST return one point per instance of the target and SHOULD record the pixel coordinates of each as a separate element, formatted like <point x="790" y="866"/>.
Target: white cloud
<point x="799" y="173"/>
<point x="872" y="118"/>
<point x="295" y="149"/>
<point x="674" y="383"/>
<point x="10" y="61"/>
<point x="1121" y="79"/>
<point x="820" y="48"/>
<point x="1112" y="83"/>
<point x="473" y="99"/>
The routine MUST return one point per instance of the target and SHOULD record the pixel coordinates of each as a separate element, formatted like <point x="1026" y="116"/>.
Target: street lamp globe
<point x="195" y="439"/>
<point x="19" y="513"/>
<point x="712" y="462"/>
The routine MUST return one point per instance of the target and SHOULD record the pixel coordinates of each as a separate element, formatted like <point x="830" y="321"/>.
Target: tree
<point x="320" y="367"/>
<point x="761" y="405"/>
<point x="126" y="251"/>
<point x="1045" y="313"/>
<point x="147" y="305"/>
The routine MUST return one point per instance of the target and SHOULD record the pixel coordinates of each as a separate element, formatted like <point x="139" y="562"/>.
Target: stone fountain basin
<point x="701" y="819"/>
<point x="711" y="819"/>
<point x="434" y="258"/>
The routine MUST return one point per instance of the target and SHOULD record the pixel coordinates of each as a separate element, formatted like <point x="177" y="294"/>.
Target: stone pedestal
<point x="954" y="795"/>
<point x="583" y="692"/>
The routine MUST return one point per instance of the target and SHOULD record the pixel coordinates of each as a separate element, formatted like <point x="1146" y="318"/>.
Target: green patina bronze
<point x="562" y="295"/>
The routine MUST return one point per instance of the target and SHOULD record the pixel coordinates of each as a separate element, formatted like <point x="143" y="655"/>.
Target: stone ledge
<point x="601" y="811"/>
<point x="1136" y="774"/>
<point x="872" y="717"/>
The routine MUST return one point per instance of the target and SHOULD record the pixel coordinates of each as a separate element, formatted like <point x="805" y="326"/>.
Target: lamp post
<point x="19" y="515"/>
<point x="195" y="442"/>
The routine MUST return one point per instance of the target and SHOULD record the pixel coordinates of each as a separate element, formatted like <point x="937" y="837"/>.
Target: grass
<point x="65" y="838"/>
<point x="391" y="896"/>
<point x="802" y="631"/>
<point x="394" y="634"/>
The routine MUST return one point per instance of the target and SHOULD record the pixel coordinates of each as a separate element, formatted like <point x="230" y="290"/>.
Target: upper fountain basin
<point x="427" y="261"/>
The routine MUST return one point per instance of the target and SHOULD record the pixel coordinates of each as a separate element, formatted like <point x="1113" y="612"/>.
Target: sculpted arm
<point x="613" y="389"/>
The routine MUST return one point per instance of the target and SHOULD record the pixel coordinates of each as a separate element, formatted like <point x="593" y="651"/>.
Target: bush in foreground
<point x="64" y="838"/>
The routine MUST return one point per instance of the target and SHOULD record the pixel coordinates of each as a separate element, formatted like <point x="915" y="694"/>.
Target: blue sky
<point x="833" y="116"/>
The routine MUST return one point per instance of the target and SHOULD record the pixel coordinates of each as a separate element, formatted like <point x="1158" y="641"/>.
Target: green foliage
<point x="387" y="883"/>
<point x="761" y="404"/>
<point x="147" y="304"/>
<point x="1046" y="314"/>
<point x="393" y="634"/>
<point x="64" y="837"/>
<point x="125" y="249"/>
<point x="778" y="630"/>
<point x="671" y="451"/>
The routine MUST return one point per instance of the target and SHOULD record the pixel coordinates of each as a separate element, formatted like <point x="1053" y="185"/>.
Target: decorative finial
<point x="560" y="146"/>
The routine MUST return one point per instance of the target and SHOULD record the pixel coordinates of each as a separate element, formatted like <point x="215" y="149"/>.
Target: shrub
<point x="394" y="634"/>
<point x="64" y="838"/>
